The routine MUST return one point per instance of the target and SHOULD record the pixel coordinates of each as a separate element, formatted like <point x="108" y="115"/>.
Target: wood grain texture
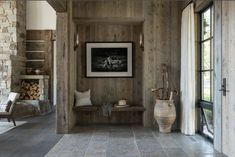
<point x="115" y="109"/>
<point x="127" y="117"/>
<point x="111" y="20"/>
<point x="228" y="72"/>
<point x="99" y="25"/>
<point x="72" y="65"/>
<point x="58" y="5"/>
<point x="110" y="89"/>
<point x="41" y="40"/>
<point x="201" y="4"/>
<point x="217" y="76"/>
<point x="104" y="8"/>
<point x="46" y="46"/>
<point x="66" y="71"/>
<point x="62" y="74"/>
<point x="162" y="45"/>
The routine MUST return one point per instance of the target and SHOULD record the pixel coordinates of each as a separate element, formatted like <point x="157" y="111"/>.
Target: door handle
<point x="223" y="87"/>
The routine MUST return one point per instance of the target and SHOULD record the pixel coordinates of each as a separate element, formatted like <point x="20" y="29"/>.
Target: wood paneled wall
<point x="162" y="24"/>
<point x="228" y="68"/>
<point x="217" y="106"/>
<point x="108" y="8"/>
<point x="224" y="41"/>
<point x="111" y="89"/>
<point x="162" y="45"/>
<point x="62" y="74"/>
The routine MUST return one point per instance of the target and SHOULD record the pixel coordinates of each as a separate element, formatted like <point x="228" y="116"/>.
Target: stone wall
<point x="10" y="69"/>
<point x="12" y="28"/>
<point x="12" y="44"/>
<point x="21" y="27"/>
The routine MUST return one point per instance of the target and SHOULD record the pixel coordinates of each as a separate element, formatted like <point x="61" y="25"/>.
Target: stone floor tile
<point x="158" y="153"/>
<point x="175" y="152"/>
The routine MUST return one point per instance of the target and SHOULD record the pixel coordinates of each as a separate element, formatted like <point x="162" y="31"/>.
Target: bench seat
<point x="114" y="109"/>
<point x="120" y="115"/>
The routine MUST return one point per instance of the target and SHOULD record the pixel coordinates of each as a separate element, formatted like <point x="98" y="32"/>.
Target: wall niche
<point x="111" y="89"/>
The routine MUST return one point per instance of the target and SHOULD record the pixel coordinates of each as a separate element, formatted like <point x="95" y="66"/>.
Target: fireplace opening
<point x="30" y="90"/>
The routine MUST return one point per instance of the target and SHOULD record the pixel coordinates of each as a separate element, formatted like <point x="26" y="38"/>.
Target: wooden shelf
<point x="35" y="51"/>
<point x="25" y="77"/>
<point x="114" y="109"/>
<point x="35" y="60"/>
<point x="115" y="20"/>
<point x="35" y="41"/>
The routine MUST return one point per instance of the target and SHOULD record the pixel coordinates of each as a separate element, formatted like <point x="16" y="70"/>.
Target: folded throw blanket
<point x="107" y="109"/>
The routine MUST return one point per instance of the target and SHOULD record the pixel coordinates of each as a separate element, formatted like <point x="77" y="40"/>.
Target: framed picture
<point x="109" y="59"/>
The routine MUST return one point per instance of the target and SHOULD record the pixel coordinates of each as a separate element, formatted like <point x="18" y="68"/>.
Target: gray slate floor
<point x="33" y="139"/>
<point x="126" y="141"/>
<point x="37" y="138"/>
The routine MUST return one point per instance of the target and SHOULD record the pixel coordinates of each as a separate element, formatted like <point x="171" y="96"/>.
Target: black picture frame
<point x="109" y="59"/>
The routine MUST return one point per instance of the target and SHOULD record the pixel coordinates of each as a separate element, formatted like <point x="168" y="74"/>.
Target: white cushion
<point x="83" y="98"/>
<point x="12" y="96"/>
<point x="3" y="104"/>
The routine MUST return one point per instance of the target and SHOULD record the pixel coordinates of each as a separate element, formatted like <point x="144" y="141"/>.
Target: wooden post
<point x="62" y="73"/>
<point x="66" y="71"/>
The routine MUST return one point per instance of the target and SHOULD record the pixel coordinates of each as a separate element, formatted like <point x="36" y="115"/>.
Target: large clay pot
<point x="164" y="114"/>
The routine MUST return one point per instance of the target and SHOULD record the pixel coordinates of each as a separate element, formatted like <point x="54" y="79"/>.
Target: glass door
<point x="206" y="72"/>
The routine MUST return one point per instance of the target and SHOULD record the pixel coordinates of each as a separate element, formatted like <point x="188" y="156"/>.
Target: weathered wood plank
<point x="58" y="5"/>
<point x="114" y="109"/>
<point x="161" y="42"/>
<point x="115" y="20"/>
<point x="117" y="8"/>
<point x="160" y="47"/>
<point x="201" y="4"/>
<point x="116" y="118"/>
<point x="228" y="72"/>
<point x="72" y="65"/>
<point x="62" y="74"/>
<point x="66" y="71"/>
<point x="111" y="89"/>
<point x="217" y="76"/>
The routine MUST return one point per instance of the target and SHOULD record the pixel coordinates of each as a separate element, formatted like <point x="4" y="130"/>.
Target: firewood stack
<point x="29" y="91"/>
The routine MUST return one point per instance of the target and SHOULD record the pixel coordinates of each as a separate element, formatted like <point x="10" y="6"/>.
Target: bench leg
<point x="13" y="120"/>
<point x="8" y="119"/>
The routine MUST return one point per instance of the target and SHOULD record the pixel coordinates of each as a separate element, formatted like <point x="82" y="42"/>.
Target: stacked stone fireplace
<point x="34" y="87"/>
<point x="35" y="91"/>
<point x="12" y="45"/>
<point x="14" y="60"/>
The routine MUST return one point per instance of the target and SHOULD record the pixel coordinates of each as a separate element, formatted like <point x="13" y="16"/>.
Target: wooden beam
<point x="58" y="5"/>
<point x="116" y="20"/>
<point x="62" y="73"/>
<point x="201" y="4"/>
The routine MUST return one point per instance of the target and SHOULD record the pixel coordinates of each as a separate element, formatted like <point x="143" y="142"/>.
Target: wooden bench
<point x="119" y="115"/>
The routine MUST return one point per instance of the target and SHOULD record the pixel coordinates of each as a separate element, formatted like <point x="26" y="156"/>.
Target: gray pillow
<point x="8" y="105"/>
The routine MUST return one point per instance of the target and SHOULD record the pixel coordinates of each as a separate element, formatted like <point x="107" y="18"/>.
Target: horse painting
<point x="111" y="64"/>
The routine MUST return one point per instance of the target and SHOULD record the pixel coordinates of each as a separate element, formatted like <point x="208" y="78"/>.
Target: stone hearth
<point x="42" y="101"/>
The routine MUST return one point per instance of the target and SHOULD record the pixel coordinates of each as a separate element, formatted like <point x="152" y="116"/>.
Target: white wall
<point x="40" y="15"/>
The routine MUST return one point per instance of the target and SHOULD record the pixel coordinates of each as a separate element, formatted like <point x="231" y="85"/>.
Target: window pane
<point x="206" y="24"/>
<point x="208" y="124"/>
<point x="206" y="55"/>
<point x="212" y="54"/>
<point x="212" y="21"/>
<point x="206" y="86"/>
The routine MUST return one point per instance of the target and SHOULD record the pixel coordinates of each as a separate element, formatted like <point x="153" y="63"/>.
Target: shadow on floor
<point x="33" y="139"/>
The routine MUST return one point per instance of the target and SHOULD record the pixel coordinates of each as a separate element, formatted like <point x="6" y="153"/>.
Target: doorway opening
<point x="206" y="72"/>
